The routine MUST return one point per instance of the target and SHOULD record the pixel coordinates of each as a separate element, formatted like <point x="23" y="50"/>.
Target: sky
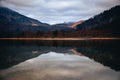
<point x="59" y="11"/>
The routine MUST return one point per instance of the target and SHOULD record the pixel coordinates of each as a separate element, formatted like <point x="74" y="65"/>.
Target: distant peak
<point x="75" y="24"/>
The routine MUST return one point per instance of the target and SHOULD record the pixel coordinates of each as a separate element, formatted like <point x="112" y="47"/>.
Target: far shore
<point x="64" y="39"/>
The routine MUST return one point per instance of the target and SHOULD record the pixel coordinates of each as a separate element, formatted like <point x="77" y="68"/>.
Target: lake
<point x="60" y="60"/>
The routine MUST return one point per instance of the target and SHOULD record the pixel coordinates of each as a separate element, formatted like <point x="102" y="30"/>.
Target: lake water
<point x="60" y="60"/>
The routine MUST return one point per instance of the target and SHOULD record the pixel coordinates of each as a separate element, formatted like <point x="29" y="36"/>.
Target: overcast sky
<point x="59" y="11"/>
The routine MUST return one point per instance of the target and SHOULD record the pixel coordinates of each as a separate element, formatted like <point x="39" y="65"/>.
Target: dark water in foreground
<point x="41" y="57"/>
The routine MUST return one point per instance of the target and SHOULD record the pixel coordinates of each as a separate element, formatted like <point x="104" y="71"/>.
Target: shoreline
<point x="64" y="39"/>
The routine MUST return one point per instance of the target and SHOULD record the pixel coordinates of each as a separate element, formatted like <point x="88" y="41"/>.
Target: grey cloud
<point x="26" y="3"/>
<point x="78" y="9"/>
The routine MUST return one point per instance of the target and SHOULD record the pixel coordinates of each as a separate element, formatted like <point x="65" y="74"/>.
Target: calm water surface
<point x="60" y="60"/>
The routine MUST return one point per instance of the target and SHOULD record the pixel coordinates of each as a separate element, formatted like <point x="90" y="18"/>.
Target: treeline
<point x="63" y="34"/>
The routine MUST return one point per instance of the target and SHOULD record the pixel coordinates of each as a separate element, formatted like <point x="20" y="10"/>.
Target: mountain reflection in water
<point x="58" y="66"/>
<point x="33" y="59"/>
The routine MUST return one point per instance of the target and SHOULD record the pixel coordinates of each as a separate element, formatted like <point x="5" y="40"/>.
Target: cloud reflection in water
<point x="58" y="66"/>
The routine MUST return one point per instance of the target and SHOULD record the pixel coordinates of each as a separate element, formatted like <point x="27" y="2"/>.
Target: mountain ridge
<point x="106" y="18"/>
<point x="16" y="22"/>
<point x="104" y="24"/>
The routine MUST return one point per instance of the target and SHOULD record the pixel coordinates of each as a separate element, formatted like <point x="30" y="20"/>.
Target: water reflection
<point x="59" y="66"/>
<point x="15" y="52"/>
<point x="59" y="60"/>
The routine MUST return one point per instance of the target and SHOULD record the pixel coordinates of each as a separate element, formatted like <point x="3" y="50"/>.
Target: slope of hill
<point x="108" y="20"/>
<point x="75" y="24"/>
<point x="11" y="16"/>
<point x="62" y="27"/>
<point x="13" y="22"/>
<point x="106" y="24"/>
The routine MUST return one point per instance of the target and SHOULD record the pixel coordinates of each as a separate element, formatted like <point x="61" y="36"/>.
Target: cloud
<point x="55" y="11"/>
<point x="25" y="3"/>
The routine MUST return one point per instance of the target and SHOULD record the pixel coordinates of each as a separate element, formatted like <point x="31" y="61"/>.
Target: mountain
<point x="62" y="27"/>
<point x="75" y="24"/>
<point x="109" y="19"/>
<point x="11" y="16"/>
<point x="106" y="24"/>
<point x="14" y="22"/>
